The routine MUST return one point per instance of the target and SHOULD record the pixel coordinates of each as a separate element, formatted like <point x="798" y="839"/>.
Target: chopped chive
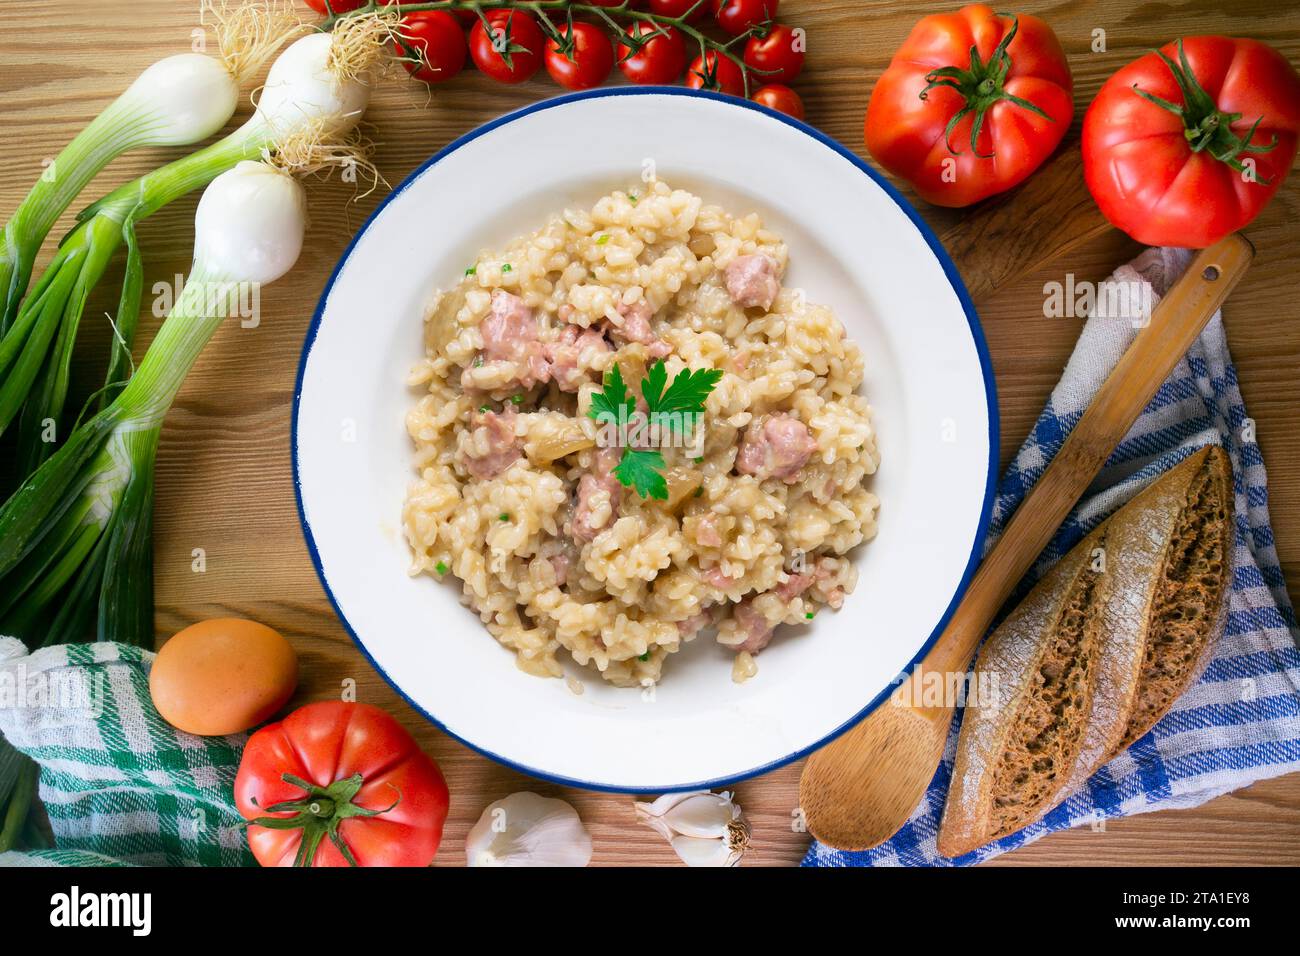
<point x="506" y="268"/>
<point x="517" y="399"/>
<point x="503" y="516"/>
<point x="809" y="615"/>
<point x="441" y="567"/>
<point x="601" y="240"/>
<point x="632" y="198"/>
<point x="699" y="491"/>
<point x="698" y="460"/>
<point x="485" y="408"/>
<point x="471" y="270"/>
<point x="644" y="657"/>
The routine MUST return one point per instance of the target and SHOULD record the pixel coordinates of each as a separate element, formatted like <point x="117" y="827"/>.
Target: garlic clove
<point x="704" y="829"/>
<point x="703" y="815"/>
<point x="694" y="851"/>
<point x="527" y="829"/>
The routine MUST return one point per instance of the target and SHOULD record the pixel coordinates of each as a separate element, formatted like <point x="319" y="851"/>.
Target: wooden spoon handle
<point x="1174" y="326"/>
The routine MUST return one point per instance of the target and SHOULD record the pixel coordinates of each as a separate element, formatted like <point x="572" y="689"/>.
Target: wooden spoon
<point x="859" y="789"/>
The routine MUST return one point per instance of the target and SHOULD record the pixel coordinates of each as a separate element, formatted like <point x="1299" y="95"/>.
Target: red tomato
<point x="737" y="16"/>
<point x="340" y="6"/>
<point x="512" y="50"/>
<point x="679" y="8"/>
<point x="780" y="98"/>
<point x="777" y="56"/>
<point x="432" y="45"/>
<point x="716" y="72"/>
<point x="365" y="794"/>
<point x="1203" y="163"/>
<point x="582" y="63"/>
<point x="959" y="130"/>
<point x="660" y="59"/>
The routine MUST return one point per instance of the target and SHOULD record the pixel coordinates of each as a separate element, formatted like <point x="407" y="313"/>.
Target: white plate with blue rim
<point x="855" y="245"/>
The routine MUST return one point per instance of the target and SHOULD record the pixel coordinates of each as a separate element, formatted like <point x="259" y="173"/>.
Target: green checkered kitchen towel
<point x="118" y="783"/>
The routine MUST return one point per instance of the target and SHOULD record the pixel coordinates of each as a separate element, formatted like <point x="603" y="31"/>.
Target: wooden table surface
<point x="224" y="484"/>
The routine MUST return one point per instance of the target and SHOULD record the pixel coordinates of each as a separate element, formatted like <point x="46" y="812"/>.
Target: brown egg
<point x="222" y="676"/>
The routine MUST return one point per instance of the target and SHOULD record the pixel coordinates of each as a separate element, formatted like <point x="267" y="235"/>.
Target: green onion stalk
<point x="74" y="537"/>
<point x="75" y="549"/>
<point x="304" y="96"/>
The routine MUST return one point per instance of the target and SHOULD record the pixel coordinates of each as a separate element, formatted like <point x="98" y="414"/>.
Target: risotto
<point x="521" y="494"/>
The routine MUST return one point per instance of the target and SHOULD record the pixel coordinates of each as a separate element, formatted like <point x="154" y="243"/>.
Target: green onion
<point x="441" y="567"/>
<point x="503" y="516"/>
<point x="74" y="538"/>
<point x="506" y="268"/>
<point x="36" y="353"/>
<point x="471" y="270"/>
<point x="517" y="399"/>
<point x="178" y="100"/>
<point x="24" y="791"/>
<point x="644" y="657"/>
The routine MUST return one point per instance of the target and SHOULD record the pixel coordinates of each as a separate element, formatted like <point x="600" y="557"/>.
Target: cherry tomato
<point x="432" y="45"/>
<point x="513" y="49"/>
<point x="737" y="16"/>
<point x="340" y="6"/>
<point x="660" y="60"/>
<point x="588" y="60"/>
<point x="961" y="127"/>
<point x="776" y="57"/>
<point x="340" y="784"/>
<point x="679" y="8"/>
<point x="716" y="72"/>
<point x="1191" y="165"/>
<point x="780" y="98"/>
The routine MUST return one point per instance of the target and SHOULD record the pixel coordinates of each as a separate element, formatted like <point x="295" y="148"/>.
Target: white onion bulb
<point x="301" y="88"/>
<point x="250" y="223"/>
<point x="184" y="98"/>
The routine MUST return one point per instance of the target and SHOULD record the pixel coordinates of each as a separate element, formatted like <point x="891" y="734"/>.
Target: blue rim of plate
<point x="954" y="278"/>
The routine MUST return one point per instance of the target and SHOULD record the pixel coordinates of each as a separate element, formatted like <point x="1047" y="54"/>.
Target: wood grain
<point x="224" y="480"/>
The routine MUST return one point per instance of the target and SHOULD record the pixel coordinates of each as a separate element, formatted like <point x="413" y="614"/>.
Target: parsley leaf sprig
<point x="667" y="404"/>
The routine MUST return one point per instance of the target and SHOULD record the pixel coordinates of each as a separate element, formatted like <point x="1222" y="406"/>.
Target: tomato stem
<point x="1206" y="127"/>
<point x="318" y="814"/>
<point x="981" y="85"/>
<point x="540" y="7"/>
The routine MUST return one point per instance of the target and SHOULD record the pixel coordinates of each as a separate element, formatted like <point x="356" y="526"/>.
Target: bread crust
<point x="1137" y="539"/>
<point x="1154" y="605"/>
<point x="1012" y="661"/>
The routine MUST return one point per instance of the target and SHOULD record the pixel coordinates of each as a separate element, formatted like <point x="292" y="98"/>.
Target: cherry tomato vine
<point x="758" y="59"/>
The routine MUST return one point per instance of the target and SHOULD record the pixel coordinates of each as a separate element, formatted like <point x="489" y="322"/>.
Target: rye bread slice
<point x="1137" y="538"/>
<point x="1190" y="603"/>
<point x="1023" y="727"/>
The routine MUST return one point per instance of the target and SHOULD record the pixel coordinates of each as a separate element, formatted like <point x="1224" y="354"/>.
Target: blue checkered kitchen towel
<point x="1241" y="722"/>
